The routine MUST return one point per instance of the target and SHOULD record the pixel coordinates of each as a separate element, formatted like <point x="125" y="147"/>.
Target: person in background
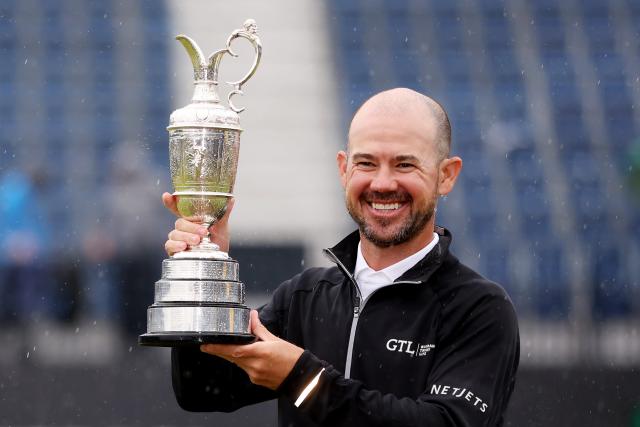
<point x="27" y="291"/>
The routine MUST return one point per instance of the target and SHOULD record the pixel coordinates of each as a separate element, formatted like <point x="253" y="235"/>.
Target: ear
<point x="449" y="170"/>
<point x="342" y="159"/>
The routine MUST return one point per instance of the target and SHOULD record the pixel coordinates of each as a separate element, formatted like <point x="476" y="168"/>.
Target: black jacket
<point x="439" y="347"/>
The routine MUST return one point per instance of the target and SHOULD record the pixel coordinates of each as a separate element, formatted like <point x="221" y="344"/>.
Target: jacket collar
<point x="345" y="253"/>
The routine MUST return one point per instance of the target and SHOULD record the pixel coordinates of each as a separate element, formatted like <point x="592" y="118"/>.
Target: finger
<point x="226" y="351"/>
<point x="187" y="226"/>
<point x="183" y="236"/>
<point x="170" y="202"/>
<point x="171" y="247"/>
<point x="206" y="348"/>
<point x="259" y="330"/>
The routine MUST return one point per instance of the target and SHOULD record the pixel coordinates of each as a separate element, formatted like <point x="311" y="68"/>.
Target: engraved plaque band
<point x="203" y="319"/>
<point x="199" y="269"/>
<point x="207" y="291"/>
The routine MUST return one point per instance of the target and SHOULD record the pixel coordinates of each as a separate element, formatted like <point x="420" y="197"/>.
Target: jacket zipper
<point x="357" y="309"/>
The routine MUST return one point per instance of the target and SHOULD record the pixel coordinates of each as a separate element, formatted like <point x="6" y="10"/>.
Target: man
<point x="398" y="332"/>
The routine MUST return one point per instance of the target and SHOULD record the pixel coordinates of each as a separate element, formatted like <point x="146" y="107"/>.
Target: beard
<point x="410" y="227"/>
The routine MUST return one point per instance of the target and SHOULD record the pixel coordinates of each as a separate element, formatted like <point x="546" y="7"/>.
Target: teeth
<point x="385" y="206"/>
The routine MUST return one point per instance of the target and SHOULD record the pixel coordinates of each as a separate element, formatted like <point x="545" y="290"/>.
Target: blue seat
<point x="590" y="205"/>
<point x="551" y="281"/>
<point x="494" y="261"/>
<point x="616" y="97"/>
<point x="357" y="67"/>
<point x="350" y="32"/>
<point x="483" y="226"/>
<point x="582" y="168"/>
<point x="480" y="200"/>
<point x="558" y="67"/>
<point x="345" y="6"/>
<point x="570" y="133"/>
<point x="565" y="101"/>
<point x="533" y="201"/>
<point x="456" y="67"/>
<point x="612" y="287"/>
<point x="506" y="67"/>
<point x="621" y="132"/>
<point x="550" y="36"/>
<point x="525" y="166"/>
<point x="407" y="67"/>
<point x="609" y="69"/>
<point x="601" y="43"/>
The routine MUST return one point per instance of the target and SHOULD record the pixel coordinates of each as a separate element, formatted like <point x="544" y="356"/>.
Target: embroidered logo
<point x="460" y="393"/>
<point x="409" y="347"/>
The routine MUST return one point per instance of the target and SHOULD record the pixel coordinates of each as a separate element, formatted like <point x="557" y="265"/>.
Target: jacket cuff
<point x="303" y="373"/>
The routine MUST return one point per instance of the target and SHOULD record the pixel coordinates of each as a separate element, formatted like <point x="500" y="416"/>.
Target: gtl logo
<point x="405" y="346"/>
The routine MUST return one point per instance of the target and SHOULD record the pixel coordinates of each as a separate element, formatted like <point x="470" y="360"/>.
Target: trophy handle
<point x="249" y="32"/>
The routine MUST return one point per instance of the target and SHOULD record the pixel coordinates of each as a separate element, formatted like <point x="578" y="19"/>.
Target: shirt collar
<point x="396" y="270"/>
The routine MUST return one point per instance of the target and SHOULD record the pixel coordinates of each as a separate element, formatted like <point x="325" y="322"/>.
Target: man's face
<point x="390" y="176"/>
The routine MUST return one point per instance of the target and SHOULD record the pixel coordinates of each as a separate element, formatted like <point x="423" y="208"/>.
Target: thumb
<point x="171" y="203"/>
<point x="259" y="330"/>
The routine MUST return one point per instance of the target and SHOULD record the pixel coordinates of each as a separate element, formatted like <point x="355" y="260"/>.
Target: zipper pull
<point x="356" y="310"/>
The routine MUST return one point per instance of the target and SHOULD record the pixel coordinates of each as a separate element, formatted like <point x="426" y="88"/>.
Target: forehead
<point x="393" y="135"/>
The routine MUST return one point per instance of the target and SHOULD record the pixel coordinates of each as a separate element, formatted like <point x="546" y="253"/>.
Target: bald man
<point x="398" y="332"/>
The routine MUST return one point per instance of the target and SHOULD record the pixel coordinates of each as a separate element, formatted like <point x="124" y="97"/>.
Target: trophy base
<point x="198" y="301"/>
<point x="183" y="339"/>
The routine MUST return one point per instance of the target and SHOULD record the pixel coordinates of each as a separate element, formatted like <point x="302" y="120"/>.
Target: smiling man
<point x="398" y="332"/>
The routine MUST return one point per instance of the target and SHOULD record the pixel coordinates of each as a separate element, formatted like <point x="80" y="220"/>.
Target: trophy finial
<point x="250" y="26"/>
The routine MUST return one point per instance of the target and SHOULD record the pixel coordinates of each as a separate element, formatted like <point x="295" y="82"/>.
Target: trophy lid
<point x="206" y="110"/>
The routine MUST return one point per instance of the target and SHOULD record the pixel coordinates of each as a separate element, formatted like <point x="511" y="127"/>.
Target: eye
<point x="364" y="164"/>
<point x="405" y="165"/>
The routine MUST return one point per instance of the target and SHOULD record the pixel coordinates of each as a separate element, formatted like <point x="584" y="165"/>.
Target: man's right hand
<point x="189" y="232"/>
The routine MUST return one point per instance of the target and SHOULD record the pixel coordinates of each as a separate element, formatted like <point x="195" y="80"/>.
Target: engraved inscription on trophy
<point x="200" y="297"/>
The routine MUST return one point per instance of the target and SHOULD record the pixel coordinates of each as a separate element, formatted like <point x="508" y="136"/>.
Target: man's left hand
<point x="267" y="361"/>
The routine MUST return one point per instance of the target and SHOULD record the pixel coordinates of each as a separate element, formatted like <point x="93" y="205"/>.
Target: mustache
<point x="387" y="196"/>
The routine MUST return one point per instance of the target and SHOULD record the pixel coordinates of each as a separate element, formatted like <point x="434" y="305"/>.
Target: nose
<point x="384" y="181"/>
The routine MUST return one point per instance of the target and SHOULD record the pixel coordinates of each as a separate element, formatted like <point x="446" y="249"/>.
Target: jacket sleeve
<point x="202" y="382"/>
<point x="469" y="385"/>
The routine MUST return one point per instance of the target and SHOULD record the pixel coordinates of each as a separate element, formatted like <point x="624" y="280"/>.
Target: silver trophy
<point x="199" y="297"/>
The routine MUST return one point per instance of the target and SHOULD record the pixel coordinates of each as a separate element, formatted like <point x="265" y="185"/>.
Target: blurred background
<point x="543" y="97"/>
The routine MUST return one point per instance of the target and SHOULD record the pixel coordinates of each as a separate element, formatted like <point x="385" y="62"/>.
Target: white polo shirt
<point x="370" y="280"/>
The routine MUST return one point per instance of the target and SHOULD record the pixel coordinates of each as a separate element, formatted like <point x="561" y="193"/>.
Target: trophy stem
<point x="206" y="249"/>
<point x="206" y="241"/>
